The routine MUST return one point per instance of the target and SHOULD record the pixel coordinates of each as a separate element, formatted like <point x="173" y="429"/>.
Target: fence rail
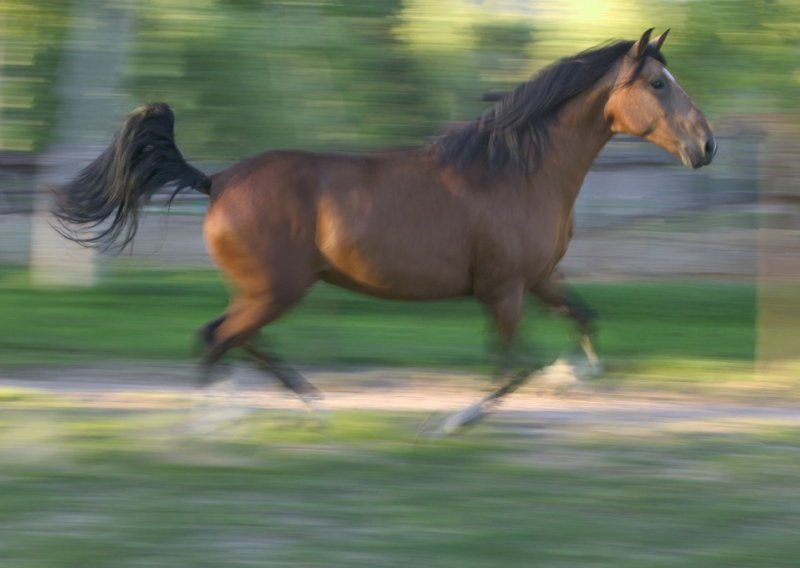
<point x="619" y="186"/>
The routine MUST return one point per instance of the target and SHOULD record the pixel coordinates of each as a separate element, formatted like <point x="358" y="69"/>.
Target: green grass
<point x="95" y="488"/>
<point x="151" y="315"/>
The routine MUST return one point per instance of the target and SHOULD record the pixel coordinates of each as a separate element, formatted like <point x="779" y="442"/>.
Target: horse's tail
<point x="141" y="159"/>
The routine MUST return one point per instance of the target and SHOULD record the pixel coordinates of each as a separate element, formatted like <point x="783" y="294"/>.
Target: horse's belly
<point x="408" y="269"/>
<point x="405" y="240"/>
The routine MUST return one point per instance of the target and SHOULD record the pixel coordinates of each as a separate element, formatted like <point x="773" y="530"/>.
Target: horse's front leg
<point x="505" y="310"/>
<point x="565" y="301"/>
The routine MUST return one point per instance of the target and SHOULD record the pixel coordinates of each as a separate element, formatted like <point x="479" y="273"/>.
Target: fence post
<point x="778" y="296"/>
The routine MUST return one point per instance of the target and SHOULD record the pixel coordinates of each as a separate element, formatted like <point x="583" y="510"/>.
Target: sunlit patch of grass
<point x="679" y="374"/>
<point x="18" y="394"/>
<point x="722" y="379"/>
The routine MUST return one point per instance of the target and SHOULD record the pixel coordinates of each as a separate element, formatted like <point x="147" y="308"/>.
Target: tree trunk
<point x="89" y="104"/>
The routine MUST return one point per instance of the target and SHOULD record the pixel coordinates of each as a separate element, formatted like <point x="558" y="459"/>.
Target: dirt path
<point x="167" y="387"/>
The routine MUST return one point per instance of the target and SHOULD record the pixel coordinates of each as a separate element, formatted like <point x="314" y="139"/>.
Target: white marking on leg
<point x="591" y="355"/>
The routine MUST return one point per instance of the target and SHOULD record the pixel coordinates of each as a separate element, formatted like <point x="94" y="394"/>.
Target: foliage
<point x="31" y="42"/>
<point x="245" y="75"/>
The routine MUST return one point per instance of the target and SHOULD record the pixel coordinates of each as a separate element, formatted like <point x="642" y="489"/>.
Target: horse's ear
<point x="638" y="49"/>
<point x="659" y="41"/>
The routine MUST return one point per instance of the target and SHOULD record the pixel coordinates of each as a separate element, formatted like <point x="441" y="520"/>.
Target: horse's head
<point x="647" y="101"/>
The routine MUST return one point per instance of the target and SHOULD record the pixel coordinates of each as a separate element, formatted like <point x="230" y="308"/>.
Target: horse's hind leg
<point x="246" y="315"/>
<point x="205" y="341"/>
<point x="290" y="378"/>
<point x="243" y="320"/>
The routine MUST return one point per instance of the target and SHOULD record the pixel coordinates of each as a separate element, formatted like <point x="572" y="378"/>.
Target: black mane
<point x="519" y="123"/>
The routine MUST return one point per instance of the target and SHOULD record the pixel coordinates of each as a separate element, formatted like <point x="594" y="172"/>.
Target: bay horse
<point x="484" y="210"/>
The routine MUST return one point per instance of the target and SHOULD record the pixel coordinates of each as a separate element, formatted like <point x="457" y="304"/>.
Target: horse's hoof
<point x="318" y="414"/>
<point x="312" y="395"/>
<point x="595" y="370"/>
<point x="460" y="420"/>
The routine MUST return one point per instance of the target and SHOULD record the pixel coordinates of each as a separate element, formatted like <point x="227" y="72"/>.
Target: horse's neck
<point x="575" y="139"/>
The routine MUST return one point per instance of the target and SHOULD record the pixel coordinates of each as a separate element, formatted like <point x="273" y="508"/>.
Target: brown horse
<point x="485" y="210"/>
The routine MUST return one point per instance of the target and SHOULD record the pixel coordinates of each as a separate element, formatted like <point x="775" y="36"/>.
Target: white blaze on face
<point x="669" y="75"/>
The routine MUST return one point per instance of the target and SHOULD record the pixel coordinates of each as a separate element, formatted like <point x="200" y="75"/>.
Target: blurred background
<point x="244" y="76"/>
<point x="684" y="452"/>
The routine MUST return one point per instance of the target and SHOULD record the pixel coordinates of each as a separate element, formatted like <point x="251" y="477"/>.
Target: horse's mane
<point x="519" y="122"/>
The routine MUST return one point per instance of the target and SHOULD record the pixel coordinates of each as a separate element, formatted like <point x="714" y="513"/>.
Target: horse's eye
<point x="657" y="84"/>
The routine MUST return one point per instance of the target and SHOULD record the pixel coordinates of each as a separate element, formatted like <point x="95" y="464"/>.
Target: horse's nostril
<point x="711" y="148"/>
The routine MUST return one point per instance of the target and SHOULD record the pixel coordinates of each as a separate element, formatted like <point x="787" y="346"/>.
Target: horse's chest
<point x="546" y="249"/>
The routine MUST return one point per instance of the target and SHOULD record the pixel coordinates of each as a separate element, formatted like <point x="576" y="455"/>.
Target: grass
<point x="96" y="488"/>
<point x="151" y="315"/>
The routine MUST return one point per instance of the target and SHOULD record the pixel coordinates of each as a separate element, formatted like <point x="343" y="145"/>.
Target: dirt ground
<point x="553" y="399"/>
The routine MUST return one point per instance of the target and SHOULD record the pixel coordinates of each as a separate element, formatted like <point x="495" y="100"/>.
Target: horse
<point x="484" y="209"/>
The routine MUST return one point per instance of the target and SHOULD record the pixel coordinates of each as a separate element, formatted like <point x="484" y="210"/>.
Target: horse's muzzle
<point x="710" y="150"/>
<point x="701" y="156"/>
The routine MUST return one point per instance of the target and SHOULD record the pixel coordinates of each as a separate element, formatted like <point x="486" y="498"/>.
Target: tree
<point x="88" y="101"/>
